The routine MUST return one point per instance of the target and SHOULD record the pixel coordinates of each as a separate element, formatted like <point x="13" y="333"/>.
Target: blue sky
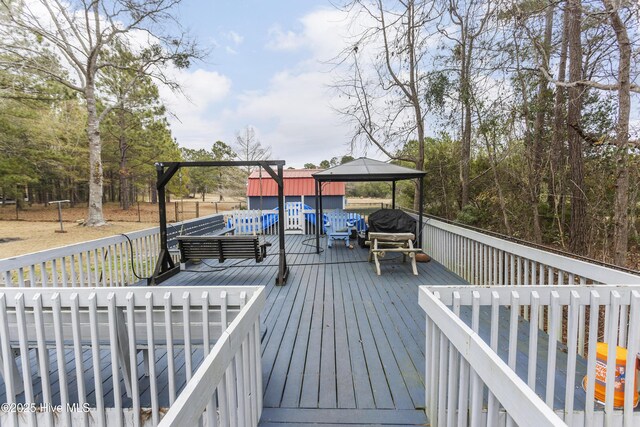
<point x="266" y="69"/>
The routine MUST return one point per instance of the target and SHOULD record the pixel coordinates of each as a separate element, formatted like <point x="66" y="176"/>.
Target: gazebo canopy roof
<point x="364" y="169"/>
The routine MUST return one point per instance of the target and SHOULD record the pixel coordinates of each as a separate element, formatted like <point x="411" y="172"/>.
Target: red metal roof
<point x="288" y="173"/>
<point x="297" y="182"/>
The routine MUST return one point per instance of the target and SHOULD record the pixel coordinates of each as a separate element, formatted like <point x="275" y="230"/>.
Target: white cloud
<point x="203" y="91"/>
<point x="294" y="113"/>
<point x="235" y="38"/>
<point x="295" y="118"/>
<point x="284" y="40"/>
<point x="324" y="33"/>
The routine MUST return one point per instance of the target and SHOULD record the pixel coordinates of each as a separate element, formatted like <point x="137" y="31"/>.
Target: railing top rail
<point x="49" y="254"/>
<point x="196" y="395"/>
<point x="585" y="268"/>
<point x="528" y="243"/>
<point x="524" y="406"/>
<point x="196" y="294"/>
<point x="20" y="261"/>
<point x="466" y="294"/>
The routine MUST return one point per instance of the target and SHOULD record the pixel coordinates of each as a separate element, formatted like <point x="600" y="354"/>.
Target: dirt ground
<point x="22" y="237"/>
<point x="35" y="229"/>
<point x="355" y="201"/>
<point x="177" y="210"/>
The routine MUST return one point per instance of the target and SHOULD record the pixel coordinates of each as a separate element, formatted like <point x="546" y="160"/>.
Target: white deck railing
<point x="227" y="388"/>
<point x="266" y="222"/>
<point x="97" y="335"/>
<point x="482" y="259"/>
<point x="460" y="364"/>
<point x="113" y="261"/>
<point x="297" y="220"/>
<point x="247" y="222"/>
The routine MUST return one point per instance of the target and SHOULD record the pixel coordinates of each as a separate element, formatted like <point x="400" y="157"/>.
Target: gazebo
<point x="365" y="169"/>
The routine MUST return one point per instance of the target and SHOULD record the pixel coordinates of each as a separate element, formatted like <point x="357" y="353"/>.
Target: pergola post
<point x="282" y="270"/>
<point x="321" y="217"/>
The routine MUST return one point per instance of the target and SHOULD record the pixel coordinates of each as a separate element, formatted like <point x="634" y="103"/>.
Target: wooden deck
<point x="341" y="345"/>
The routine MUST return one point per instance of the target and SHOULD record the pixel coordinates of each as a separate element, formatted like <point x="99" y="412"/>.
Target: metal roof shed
<point x="299" y="186"/>
<point x="365" y="169"/>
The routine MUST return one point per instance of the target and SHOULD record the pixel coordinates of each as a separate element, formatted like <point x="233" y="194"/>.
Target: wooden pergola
<point x="165" y="267"/>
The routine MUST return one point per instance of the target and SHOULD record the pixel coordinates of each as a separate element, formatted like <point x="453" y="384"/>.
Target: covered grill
<point x="392" y="221"/>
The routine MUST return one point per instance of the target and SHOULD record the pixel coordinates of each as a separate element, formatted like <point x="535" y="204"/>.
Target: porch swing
<point x="221" y="247"/>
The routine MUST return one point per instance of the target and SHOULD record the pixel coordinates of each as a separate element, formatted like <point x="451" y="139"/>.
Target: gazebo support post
<point x="420" y="209"/>
<point x="393" y="194"/>
<point x="321" y="217"/>
<point x="317" y="218"/>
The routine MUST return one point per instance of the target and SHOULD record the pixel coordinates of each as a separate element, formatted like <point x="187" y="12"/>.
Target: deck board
<point x="341" y="345"/>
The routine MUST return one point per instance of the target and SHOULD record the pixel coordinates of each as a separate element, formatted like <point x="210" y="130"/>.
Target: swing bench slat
<point x="221" y="248"/>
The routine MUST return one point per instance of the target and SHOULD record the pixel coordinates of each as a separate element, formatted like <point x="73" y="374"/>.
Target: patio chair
<point x="337" y="226"/>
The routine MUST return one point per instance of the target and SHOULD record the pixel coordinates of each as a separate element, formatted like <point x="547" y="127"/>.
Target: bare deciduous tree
<point x="249" y="148"/>
<point x="596" y="70"/>
<point x="471" y="19"/>
<point x="387" y="84"/>
<point x="79" y="35"/>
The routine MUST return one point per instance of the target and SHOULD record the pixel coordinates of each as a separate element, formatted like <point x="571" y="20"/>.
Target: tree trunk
<point x="415" y="99"/>
<point x="125" y="201"/>
<point x="539" y="128"/>
<point x="578" y="238"/>
<point x="465" y="93"/>
<point x="95" y="217"/>
<point x="154" y="193"/>
<point x="531" y="143"/>
<point x="557" y="156"/>
<point x="494" y="169"/>
<point x="621" y="204"/>
<point x="112" y="188"/>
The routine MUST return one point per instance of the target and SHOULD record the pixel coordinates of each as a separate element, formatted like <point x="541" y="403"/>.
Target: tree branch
<point x="587" y="83"/>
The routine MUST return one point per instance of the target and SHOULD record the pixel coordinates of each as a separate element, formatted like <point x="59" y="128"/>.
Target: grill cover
<point x="392" y="221"/>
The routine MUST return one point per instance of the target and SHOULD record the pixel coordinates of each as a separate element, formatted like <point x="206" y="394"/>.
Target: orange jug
<point x="620" y="377"/>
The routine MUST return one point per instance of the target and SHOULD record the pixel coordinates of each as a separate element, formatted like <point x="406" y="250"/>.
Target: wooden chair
<point x="338" y="225"/>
